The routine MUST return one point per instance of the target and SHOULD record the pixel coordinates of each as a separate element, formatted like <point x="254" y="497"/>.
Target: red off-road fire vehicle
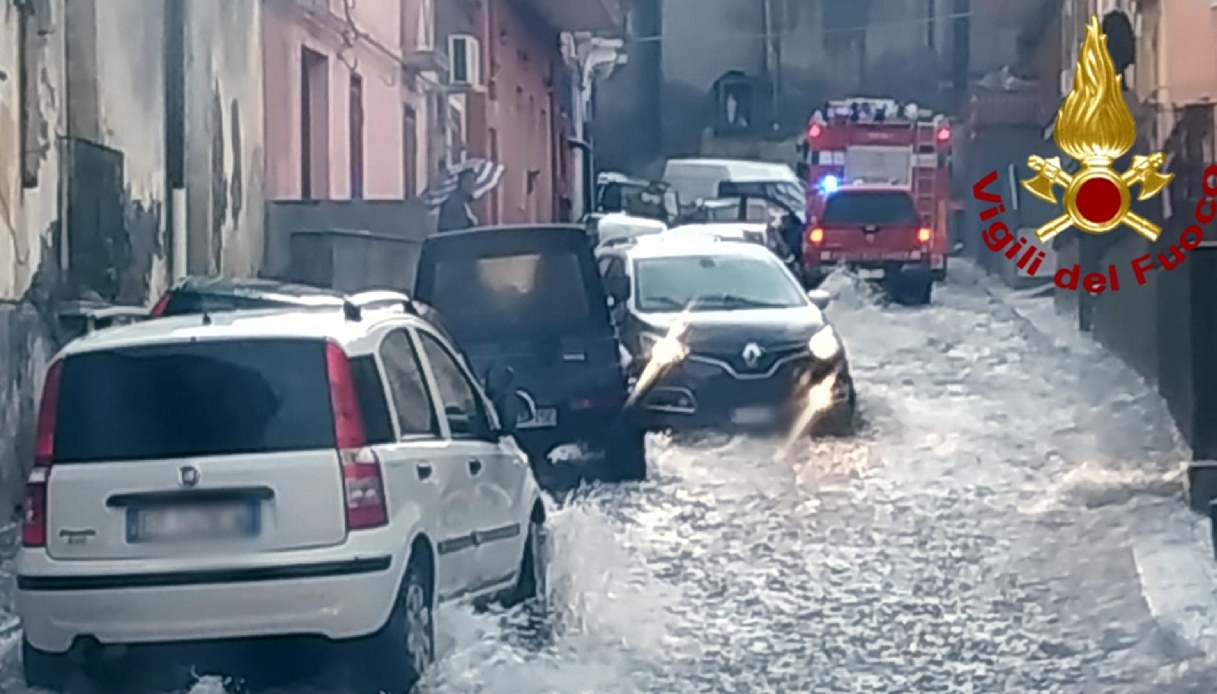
<point x="874" y="166"/>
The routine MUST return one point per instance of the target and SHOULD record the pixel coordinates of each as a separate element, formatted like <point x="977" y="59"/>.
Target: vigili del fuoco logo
<point x="1094" y="127"/>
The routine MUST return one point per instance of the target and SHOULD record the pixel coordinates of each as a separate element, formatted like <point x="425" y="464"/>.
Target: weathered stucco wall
<point x="29" y="189"/>
<point x="29" y="208"/>
<point x="224" y="135"/>
<point x="116" y="99"/>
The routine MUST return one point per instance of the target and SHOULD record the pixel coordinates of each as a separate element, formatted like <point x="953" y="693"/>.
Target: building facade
<point x="130" y="137"/>
<point x="347" y="116"/>
<point x="519" y="111"/>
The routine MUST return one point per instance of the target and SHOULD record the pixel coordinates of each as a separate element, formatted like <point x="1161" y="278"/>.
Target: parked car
<point x="753" y="343"/>
<point x="876" y="231"/>
<point x="195" y="295"/>
<point x="529" y="297"/>
<point x="611" y="227"/>
<point x="246" y="479"/>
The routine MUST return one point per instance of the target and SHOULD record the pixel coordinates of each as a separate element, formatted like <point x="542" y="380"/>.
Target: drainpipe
<point x="587" y="186"/>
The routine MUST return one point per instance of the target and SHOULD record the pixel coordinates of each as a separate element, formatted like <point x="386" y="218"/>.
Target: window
<point x="377" y="423"/>
<point x="356" y="135"/>
<point x="29" y="71"/>
<point x="314" y="125"/>
<point x="214" y="397"/>
<point x="415" y="411"/>
<point x="409" y="151"/>
<point x="870" y="207"/>
<point x="527" y="291"/>
<point x="714" y="283"/>
<point x="462" y="406"/>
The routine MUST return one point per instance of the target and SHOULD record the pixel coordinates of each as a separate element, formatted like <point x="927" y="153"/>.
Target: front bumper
<point x="333" y="593"/>
<point x="702" y="393"/>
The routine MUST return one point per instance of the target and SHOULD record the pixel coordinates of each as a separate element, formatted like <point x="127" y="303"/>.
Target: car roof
<point x="872" y="188"/>
<point x="739" y="169"/>
<point x="257" y="286"/>
<point x="321" y="324"/>
<point x="733" y="228"/>
<point x="666" y="246"/>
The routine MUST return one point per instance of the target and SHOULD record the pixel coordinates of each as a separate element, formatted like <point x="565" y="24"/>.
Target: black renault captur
<point x="723" y="336"/>
<point x="529" y="298"/>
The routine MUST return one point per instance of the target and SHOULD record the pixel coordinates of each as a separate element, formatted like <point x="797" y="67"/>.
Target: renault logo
<point x="189" y="476"/>
<point x="752" y="354"/>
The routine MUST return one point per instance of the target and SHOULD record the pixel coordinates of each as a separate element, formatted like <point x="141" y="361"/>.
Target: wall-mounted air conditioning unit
<point x="464" y="61"/>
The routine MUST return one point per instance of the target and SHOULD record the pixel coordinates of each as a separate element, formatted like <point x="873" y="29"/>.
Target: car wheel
<point x="53" y="672"/>
<point x="839" y="421"/>
<point x="532" y="582"/>
<point x="1201" y="487"/>
<point x="396" y="656"/>
<point x="627" y="456"/>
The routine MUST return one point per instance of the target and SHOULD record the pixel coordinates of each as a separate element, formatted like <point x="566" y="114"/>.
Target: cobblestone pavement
<point x="988" y="530"/>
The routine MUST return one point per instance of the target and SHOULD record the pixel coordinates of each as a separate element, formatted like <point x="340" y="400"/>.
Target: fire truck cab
<point x="878" y="142"/>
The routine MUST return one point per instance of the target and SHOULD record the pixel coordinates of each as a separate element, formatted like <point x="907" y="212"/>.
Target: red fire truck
<point x="879" y="142"/>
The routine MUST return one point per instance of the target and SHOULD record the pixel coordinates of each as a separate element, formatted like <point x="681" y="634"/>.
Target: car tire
<point x="532" y="582"/>
<point x="839" y="421"/>
<point x="627" y="456"/>
<point x="393" y="659"/>
<point x="53" y="672"/>
<point x="1201" y="487"/>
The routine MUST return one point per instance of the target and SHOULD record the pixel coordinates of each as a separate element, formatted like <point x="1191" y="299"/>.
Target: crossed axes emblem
<point x="1145" y="171"/>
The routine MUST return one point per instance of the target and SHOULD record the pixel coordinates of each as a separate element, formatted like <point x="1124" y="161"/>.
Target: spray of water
<point x="817" y="402"/>
<point x="666" y="353"/>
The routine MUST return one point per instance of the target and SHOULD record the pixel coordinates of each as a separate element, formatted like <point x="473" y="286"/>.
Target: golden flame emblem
<point x="1095" y="127"/>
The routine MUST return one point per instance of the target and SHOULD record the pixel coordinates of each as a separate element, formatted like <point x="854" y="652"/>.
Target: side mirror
<point x="820" y="298"/>
<point x="500" y="388"/>
<point x="618" y="289"/>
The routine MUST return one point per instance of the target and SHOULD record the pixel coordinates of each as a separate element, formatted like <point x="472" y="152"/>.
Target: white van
<point x="699" y="178"/>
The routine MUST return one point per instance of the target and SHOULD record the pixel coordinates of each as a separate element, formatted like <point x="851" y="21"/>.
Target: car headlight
<point x="825" y="345"/>
<point x="663" y="349"/>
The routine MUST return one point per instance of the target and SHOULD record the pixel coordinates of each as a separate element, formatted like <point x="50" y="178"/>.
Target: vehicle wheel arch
<point x="422" y="548"/>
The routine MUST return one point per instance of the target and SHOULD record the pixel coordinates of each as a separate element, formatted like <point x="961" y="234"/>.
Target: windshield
<point x="716" y="283"/>
<point x="537" y="290"/>
<point x="194" y="399"/>
<point x="870" y="207"/>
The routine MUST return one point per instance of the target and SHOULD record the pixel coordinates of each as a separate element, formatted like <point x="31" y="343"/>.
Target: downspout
<point x="589" y="178"/>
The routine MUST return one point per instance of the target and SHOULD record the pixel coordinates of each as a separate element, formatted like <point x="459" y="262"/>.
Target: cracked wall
<point x="223" y="134"/>
<point x="29" y="228"/>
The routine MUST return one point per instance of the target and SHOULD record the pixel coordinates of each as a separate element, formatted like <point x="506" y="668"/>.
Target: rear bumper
<point x="816" y="270"/>
<point x="334" y="593"/>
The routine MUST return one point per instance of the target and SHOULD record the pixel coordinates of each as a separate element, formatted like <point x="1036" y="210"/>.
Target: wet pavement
<point x="1008" y="519"/>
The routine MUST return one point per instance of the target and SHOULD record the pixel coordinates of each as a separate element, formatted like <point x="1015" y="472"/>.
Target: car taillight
<point x="33" y="530"/>
<point x="924" y="235"/>
<point x="362" y="481"/>
<point x="816" y="236"/>
<point x="158" y="310"/>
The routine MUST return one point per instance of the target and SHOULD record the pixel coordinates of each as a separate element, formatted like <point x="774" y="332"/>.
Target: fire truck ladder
<point x="925" y="178"/>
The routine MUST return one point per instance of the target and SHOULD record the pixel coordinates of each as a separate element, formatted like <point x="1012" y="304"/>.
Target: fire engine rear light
<point x="924" y="235"/>
<point x="362" y="481"/>
<point x="33" y="529"/>
<point x="944" y="133"/>
<point x="816" y="236"/>
<point x="815" y="130"/>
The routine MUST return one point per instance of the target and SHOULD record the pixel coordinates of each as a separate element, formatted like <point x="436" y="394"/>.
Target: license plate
<point x="192" y="523"/>
<point x="752" y="415"/>
<point x="869" y="274"/>
<point x="546" y="418"/>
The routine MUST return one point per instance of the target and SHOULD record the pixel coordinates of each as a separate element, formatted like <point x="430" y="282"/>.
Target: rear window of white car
<point x="194" y="399"/>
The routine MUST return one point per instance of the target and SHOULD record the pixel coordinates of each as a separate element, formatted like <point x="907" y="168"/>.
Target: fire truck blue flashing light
<point x="829" y="184"/>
